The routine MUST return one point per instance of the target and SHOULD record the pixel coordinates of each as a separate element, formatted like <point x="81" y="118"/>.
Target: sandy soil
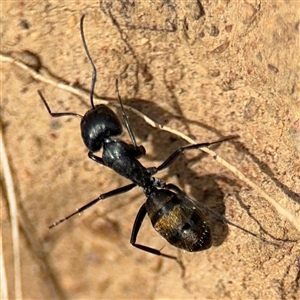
<point x="206" y="68"/>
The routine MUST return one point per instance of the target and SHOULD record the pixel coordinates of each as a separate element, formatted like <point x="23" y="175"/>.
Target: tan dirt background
<point x="206" y="68"/>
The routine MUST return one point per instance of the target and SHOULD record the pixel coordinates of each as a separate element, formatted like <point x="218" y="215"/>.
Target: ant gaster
<point x="174" y="215"/>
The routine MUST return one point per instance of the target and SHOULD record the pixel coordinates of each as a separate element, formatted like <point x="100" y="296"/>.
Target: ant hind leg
<point x="135" y="230"/>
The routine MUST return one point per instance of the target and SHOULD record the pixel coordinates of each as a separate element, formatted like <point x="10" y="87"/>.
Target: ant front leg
<point x="135" y="230"/>
<point x="96" y="158"/>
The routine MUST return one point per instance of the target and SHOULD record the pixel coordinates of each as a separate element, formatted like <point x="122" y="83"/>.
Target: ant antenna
<point x="94" y="74"/>
<point x="125" y="118"/>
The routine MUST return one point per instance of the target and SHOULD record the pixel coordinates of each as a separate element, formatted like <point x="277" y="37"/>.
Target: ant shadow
<point x="167" y="141"/>
<point x="204" y="188"/>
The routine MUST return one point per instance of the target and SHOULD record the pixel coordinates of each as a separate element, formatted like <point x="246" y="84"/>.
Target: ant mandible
<point x="174" y="215"/>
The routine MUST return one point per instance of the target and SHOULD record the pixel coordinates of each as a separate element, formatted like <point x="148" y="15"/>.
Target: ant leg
<point x="125" y="118"/>
<point x="120" y="190"/>
<point x="96" y="158"/>
<point x="57" y="115"/>
<point x="180" y="150"/>
<point x="135" y="230"/>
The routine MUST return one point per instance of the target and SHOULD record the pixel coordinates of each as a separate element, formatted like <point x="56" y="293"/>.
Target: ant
<point x="174" y="215"/>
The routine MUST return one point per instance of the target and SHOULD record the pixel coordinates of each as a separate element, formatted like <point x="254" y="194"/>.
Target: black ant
<point x="174" y="215"/>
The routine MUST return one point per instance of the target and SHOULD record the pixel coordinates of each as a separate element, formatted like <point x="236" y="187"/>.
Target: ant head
<point x="98" y="124"/>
